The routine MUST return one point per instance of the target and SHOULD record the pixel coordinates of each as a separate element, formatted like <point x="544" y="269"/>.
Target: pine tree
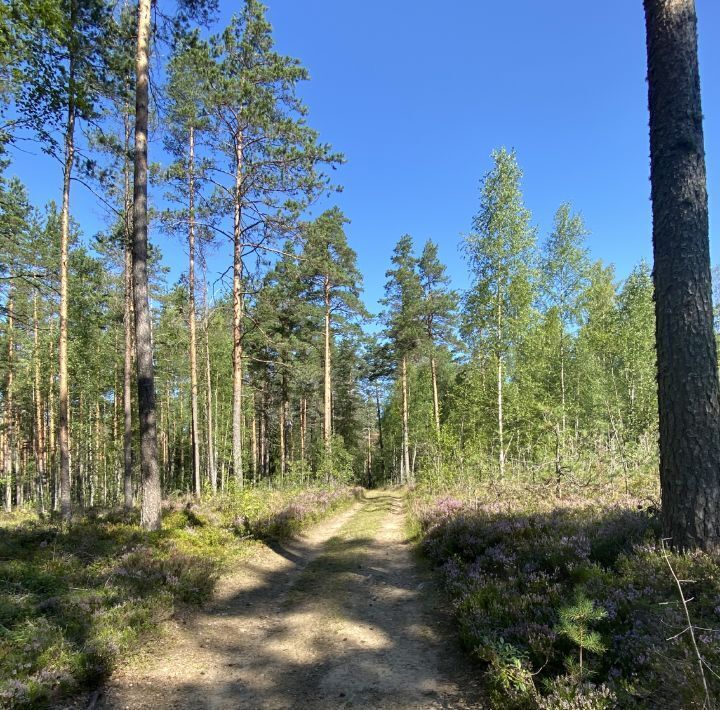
<point x="689" y="465"/>
<point x="438" y="313"/>
<point x="274" y="157"/>
<point x="403" y="328"/>
<point x="333" y="284"/>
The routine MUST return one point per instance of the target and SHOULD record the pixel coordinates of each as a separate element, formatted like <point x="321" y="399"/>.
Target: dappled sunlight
<point x="332" y="619"/>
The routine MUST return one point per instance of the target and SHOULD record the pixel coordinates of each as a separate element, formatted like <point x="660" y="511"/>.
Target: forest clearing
<point x="285" y="424"/>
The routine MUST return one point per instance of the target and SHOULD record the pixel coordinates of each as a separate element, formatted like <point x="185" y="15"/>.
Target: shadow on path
<point x="340" y="617"/>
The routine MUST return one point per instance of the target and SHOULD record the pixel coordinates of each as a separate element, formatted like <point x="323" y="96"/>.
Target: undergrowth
<point x="75" y="599"/>
<point x="569" y="603"/>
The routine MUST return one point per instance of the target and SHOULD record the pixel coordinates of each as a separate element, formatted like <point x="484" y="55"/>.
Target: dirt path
<point x="341" y="617"/>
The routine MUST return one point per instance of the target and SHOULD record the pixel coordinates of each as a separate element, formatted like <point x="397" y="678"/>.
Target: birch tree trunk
<point x="151" y="489"/>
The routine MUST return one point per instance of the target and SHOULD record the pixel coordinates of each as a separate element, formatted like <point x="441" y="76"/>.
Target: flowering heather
<point x="512" y="568"/>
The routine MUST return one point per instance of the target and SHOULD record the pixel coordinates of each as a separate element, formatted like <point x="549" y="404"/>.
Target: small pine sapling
<point x="575" y="623"/>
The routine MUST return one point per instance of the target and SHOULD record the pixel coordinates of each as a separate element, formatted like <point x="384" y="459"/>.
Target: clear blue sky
<point x="417" y="94"/>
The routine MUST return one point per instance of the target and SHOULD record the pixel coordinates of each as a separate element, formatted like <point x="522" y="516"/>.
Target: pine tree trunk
<point x="254" y="440"/>
<point x="238" y="313"/>
<point x="380" y="431"/>
<point x="64" y="396"/>
<point x="211" y="460"/>
<point x="52" y="458"/>
<point x="128" y="331"/>
<point x="191" y="307"/>
<point x="303" y="426"/>
<point x="151" y="489"/>
<point x="9" y="443"/>
<point x="327" y="409"/>
<point x="39" y="422"/>
<point x="688" y="390"/>
<point x="281" y="426"/>
<point x="405" y="426"/>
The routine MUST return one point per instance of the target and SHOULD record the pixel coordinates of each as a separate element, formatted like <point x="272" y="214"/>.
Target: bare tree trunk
<point x="688" y="390"/>
<point x="281" y="423"/>
<point x="254" y="440"/>
<point x="9" y="443"/>
<point x="52" y="459"/>
<point x="380" y="431"/>
<point x="436" y="401"/>
<point x="128" y="328"/>
<point x="212" y="462"/>
<point x="327" y="409"/>
<point x="39" y="421"/>
<point x="501" y="441"/>
<point x="303" y="425"/>
<point x="64" y="397"/>
<point x="405" y="425"/>
<point x="238" y="313"/>
<point x="152" y="494"/>
<point x="195" y="434"/>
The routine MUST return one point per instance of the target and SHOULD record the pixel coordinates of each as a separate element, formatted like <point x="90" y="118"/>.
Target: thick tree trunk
<point x="64" y="396"/>
<point x="327" y="408"/>
<point x="194" y="429"/>
<point x="688" y="391"/>
<point x="238" y="313"/>
<point x="128" y="328"/>
<point x="151" y="489"/>
<point x="405" y="425"/>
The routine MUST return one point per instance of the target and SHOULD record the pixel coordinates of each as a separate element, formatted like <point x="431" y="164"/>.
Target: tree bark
<point x="64" y="396"/>
<point x="191" y="308"/>
<point x="212" y="463"/>
<point x="128" y="323"/>
<point x="405" y="425"/>
<point x="238" y="313"/>
<point x="8" y="442"/>
<point x="327" y="409"/>
<point x="39" y="419"/>
<point x="151" y="490"/>
<point x="688" y="391"/>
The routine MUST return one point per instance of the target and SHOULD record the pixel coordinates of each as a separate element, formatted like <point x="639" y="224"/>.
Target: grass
<point x="569" y="603"/>
<point x="75" y="599"/>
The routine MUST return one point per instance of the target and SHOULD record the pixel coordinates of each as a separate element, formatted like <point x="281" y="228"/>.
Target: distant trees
<point x="499" y="251"/>
<point x="687" y="376"/>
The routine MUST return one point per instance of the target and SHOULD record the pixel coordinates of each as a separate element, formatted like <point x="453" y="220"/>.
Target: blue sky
<point x="417" y="94"/>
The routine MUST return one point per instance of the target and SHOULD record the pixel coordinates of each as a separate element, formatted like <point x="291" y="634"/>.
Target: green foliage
<point x="575" y="624"/>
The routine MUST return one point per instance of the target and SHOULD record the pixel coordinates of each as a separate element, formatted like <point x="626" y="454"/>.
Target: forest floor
<point x="345" y="615"/>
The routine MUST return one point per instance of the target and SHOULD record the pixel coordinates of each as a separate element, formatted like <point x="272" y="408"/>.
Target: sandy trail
<point x="340" y="617"/>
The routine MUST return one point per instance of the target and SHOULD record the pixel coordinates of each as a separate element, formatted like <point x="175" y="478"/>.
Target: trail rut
<point x="340" y="617"/>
